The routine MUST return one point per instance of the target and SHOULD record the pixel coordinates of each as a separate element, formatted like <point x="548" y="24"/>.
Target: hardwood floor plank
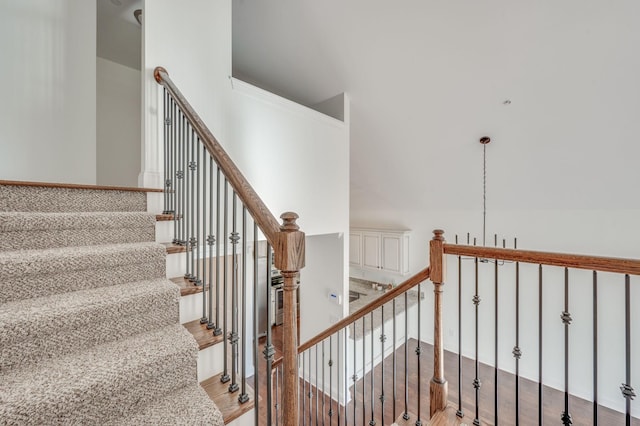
<point x="227" y="402"/>
<point x="203" y="336"/>
<point x="174" y="248"/>
<point x="186" y="286"/>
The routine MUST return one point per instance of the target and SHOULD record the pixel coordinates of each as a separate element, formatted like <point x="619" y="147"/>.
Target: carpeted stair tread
<point x="38" y="230"/>
<point x="189" y="406"/>
<point x="18" y="198"/>
<point x="38" y="273"/>
<point x="45" y="327"/>
<point x="102" y="382"/>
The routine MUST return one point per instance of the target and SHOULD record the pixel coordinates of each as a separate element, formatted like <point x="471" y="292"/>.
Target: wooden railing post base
<point x="438" y="387"/>
<point x="438" y="395"/>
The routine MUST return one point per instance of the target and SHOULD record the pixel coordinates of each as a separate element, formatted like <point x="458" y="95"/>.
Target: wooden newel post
<point x="438" y="388"/>
<point x="289" y="259"/>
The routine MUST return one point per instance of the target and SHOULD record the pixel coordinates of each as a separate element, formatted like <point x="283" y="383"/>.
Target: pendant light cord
<point x="484" y="194"/>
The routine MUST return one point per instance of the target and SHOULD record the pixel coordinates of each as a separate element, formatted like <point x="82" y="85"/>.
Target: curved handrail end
<point x="156" y="74"/>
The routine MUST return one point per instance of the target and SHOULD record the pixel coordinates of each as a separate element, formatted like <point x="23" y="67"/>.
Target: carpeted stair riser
<point x="115" y="379"/>
<point x="45" y="199"/>
<point x="189" y="406"/>
<point x="38" y="273"/>
<point x="20" y="231"/>
<point x="35" y="329"/>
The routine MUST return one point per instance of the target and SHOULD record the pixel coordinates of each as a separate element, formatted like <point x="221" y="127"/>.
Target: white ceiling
<point x="427" y="79"/>
<point x="119" y="38"/>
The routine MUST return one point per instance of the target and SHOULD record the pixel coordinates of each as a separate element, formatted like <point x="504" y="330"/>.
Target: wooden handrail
<point x="287" y="241"/>
<point x="258" y="210"/>
<point x="367" y="309"/>
<point x="591" y="263"/>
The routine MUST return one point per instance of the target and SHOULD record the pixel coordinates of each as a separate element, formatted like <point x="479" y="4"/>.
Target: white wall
<point x="48" y="118"/>
<point x="297" y="159"/>
<point x="323" y="274"/>
<point x="192" y="41"/>
<point x="118" y="123"/>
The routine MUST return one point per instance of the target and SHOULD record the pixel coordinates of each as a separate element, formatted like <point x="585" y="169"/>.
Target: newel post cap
<point x="438" y="234"/>
<point x="156" y="74"/>
<point x="289" y="222"/>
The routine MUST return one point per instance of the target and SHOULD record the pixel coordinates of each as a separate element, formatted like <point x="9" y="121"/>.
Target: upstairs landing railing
<point x="213" y="206"/>
<point x="520" y="287"/>
<point x="367" y="368"/>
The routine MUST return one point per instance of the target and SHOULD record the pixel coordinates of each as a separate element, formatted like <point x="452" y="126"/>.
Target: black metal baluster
<point x="225" y="372"/>
<point x="310" y="390"/>
<point x="338" y="371"/>
<point x="566" y="320"/>
<point x="196" y="256"/>
<point x="244" y="397"/>
<point x="323" y="387"/>
<point x="184" y="165"/>
<point x="217" y="330"/>
<point x="211" y="240"/>
<point x="277" y="405"/>
<point x="355" y="375"/>
<point x="316" y="383"/>
<point x="517" y="352"/>
<point x="233" y="337"/>
<point x="364" y="370"/>
<point x="167" y="170"/>
<point x="200" y="263"/>
<point x="495" y="356"/>
<point x="395" y="373"/>
<point x="344" y="366"/>
<point x="189" y="199"/>
<point x="476" y="380"/>
<point x="304" y="389"/>
<point x="269" y="350"/>
<point x="540" y="388"/>
<point x="595" y="348"/>
<point x="405" y="415"/>
<point x="176" y="172"/>
<point x="459" y="412"/>
<point x="627" y="390"/>
<point x="383" y="339"/>
<point x="372" y="422"/>
<point x="255" y="324"/>
<point x="182" y="148"/>
<point x="193" y="233"/>
<point x="179" y="188"/>
<point x="419" y="356"/>
<point x="330" y="379"/>
<point x="173" y="144"/>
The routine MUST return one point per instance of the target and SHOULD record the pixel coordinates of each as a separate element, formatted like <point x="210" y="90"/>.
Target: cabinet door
<point x="392" y="253"/>
<point x="355" y="249"/>
<point x="371" y="250"/>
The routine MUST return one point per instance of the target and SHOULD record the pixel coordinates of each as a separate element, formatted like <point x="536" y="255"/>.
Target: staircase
<point x="89" y="322"/>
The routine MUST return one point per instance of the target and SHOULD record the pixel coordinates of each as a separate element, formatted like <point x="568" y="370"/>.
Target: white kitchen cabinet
<point x="371" y="250"/>
<point x="355" y="249"/>
<point x="380" y="249"/>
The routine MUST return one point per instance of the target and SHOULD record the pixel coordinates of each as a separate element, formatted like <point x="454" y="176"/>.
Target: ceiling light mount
<point x="485" y="140"/>
<point x="138" y="15"/>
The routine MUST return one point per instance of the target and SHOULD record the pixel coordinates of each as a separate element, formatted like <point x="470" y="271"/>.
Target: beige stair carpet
<point x="89" y="331"/>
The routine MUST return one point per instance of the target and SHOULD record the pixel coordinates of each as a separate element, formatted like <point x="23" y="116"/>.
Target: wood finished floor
<point x="553" y="400"/>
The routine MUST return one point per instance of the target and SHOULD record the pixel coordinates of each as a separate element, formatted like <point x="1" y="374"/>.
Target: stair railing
<point x="488" y="282"/>
<point x="368" y="368"/>
<point x="203" y="185"/>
